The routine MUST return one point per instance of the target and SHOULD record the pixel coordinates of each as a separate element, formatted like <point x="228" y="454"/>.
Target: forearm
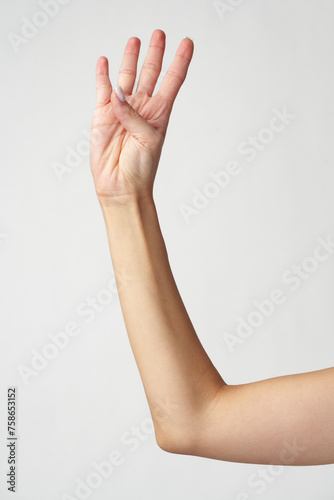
<point x="179" y="379"/>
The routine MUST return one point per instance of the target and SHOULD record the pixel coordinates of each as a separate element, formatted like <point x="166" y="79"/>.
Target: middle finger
<point x="152" y="65"/>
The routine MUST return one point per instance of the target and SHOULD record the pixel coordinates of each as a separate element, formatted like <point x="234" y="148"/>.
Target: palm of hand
<point x="127" y="137"/>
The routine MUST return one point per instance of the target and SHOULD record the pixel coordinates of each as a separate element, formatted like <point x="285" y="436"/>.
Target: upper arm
<point x="287" y="420"/>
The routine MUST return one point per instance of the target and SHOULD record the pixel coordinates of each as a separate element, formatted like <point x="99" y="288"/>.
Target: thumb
<point x="131" y="120"/>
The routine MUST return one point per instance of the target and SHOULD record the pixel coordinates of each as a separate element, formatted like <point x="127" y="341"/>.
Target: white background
<point x="258" y="56"/>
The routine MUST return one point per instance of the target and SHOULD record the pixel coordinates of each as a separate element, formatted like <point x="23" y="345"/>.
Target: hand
<point x="127" y="137"/>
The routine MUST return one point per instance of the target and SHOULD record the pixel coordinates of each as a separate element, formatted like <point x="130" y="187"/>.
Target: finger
<point x="177" y="71"/>
<point x="128" y="69"/>
<point x="152" y="65"/>
<point x="103" y="85"/>
<point x="131" y="120"/>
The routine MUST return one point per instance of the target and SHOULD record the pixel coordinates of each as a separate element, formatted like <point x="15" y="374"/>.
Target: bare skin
<point x="287" y="420"/>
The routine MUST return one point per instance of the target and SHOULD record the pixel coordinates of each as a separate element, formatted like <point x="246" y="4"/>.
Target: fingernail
<point x="120" y="93"/>
<point x="189" y="38"/>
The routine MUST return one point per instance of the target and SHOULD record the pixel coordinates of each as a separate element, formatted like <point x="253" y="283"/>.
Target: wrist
<point x="125" y="206"/>
<point x="125" y="202"/>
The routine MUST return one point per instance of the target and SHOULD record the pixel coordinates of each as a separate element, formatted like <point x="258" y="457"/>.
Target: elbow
<point x="178" y="443"/>
<point x="164" y="443"/>
<point x="189" y="437"/>
<point x="180" y="438"/>
<point x="175" y="433"/>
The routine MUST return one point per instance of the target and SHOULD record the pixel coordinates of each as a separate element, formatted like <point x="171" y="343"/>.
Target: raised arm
<point x="285" y="420"/>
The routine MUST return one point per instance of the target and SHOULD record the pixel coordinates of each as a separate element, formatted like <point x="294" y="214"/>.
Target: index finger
<point x="177" y="71"/>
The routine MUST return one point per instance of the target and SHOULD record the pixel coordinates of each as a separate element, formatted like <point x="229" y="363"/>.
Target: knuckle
<point x="151" y="66"/>
<point x="133" y="112"/>
<point x="174" y="74"/>
<point x="127" y="71"/>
